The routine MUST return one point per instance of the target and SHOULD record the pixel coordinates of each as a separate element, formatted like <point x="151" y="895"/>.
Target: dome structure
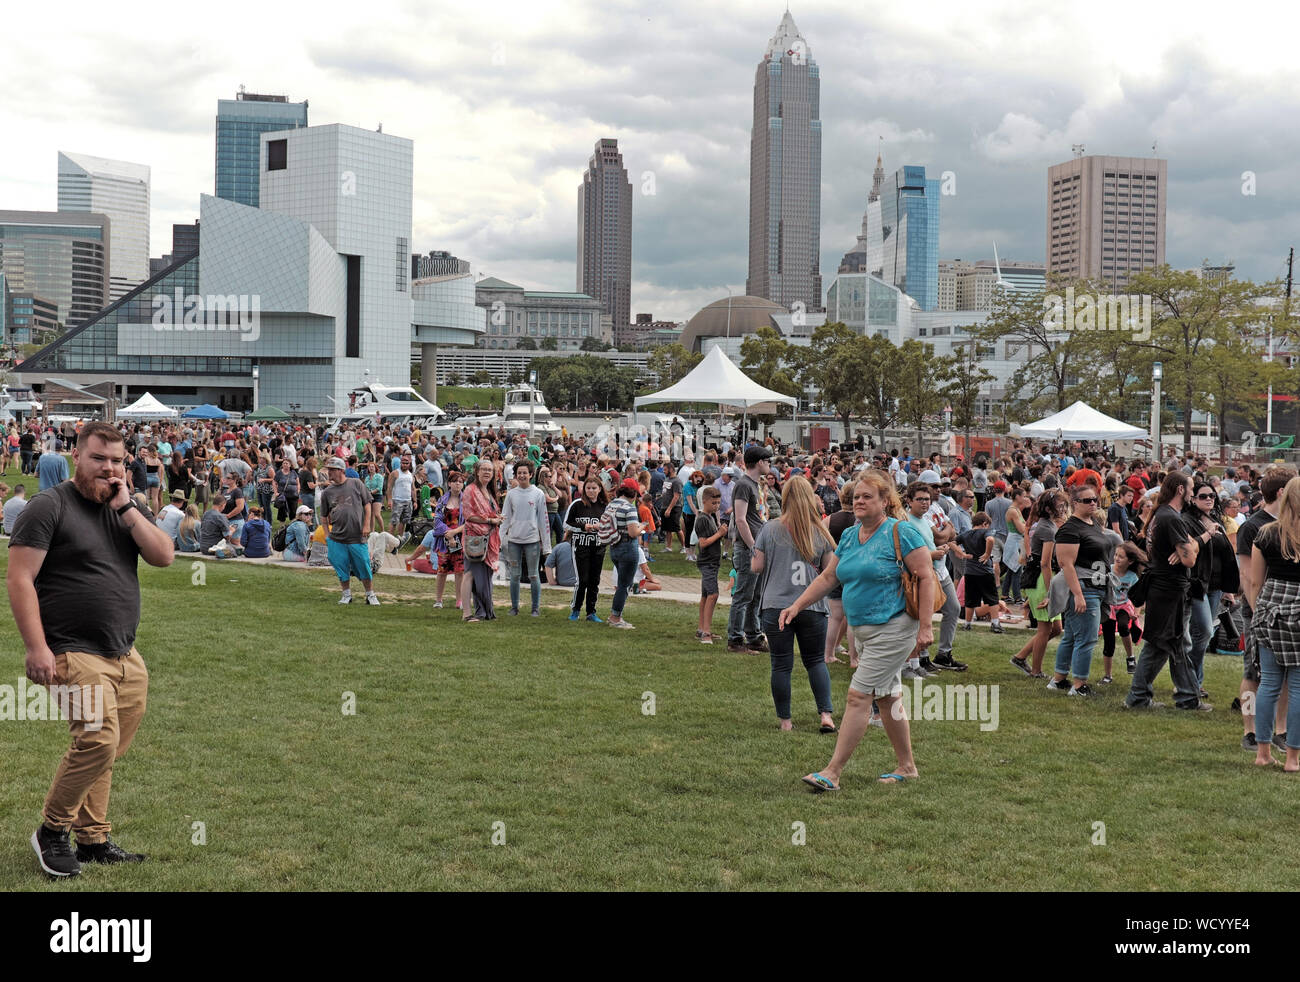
<point x="747" y="315"/>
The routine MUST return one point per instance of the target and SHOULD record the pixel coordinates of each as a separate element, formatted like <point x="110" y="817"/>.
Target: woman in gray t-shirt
<point x="790" y="553"/>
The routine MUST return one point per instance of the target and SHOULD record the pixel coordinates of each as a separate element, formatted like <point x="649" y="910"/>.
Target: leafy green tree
<point x="922" y="377"/>
<point x="481" y="377"/>
<point x="526" y="344"/>
<point x="453" y="379"/>
<point x="967" y="379"/>
<point x="549" y="344"/>
<point x="671" y="363"/>
<point x="1018" y="318"/>
<point x="766" y="358"/>
<point x="595" y="344"/>
<point x="880" y="367"/>
<point x="828" y="365"/>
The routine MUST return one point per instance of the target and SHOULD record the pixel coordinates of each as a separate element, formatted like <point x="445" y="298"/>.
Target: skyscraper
<point x="119" y="190"/>
<point x="785" y="174"/>
<point x="867" y="254"/>
<point x="605" y="233"/>
<point x="61" y="255"/>
<point x="909" y="224"/>
<point x="1106" y="217"/>
<point x="241" y="121"/>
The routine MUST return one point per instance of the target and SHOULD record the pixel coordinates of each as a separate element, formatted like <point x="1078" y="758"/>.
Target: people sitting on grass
<point x="297" y="537"/>
<point x="255" y="536"/>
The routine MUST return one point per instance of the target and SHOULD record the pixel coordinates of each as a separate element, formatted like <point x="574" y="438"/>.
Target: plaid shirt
<point x="1276" y="623"/>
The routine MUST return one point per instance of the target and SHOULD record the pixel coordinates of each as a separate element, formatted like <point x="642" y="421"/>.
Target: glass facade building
<point x="120" y="190"/>
<point x="909" y="224"/>
<point x="605" y="233"/>
<point x="240" y="124"/>
<point x="61" y="256"/>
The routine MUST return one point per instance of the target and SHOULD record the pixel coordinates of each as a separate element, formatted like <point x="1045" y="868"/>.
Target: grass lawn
<point x="539" y="724"/>
<point x="488" y="400"/>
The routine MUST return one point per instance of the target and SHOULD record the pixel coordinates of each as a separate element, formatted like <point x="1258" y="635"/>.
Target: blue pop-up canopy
<point x="206" y="411"/>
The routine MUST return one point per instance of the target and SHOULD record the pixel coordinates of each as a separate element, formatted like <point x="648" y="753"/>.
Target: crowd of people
<point x="1077" y="545"/>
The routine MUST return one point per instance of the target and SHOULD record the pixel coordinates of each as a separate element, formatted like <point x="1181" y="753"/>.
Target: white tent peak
<point x="1079" y="422"/>
<point x="147" y="407"/>
<point x="718" y="379"/>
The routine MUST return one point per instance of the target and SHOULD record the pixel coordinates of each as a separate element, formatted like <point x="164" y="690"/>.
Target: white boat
<point x="17" y="402"/>
<point x="388" y="404"/>
<point x="526" y="410"/>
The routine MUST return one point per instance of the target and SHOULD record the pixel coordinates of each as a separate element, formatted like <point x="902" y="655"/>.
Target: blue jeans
<point x="526" y="553"/>
<point x="1200" y="629"/>
<point x="1079" y="636"/>
<point x="1271" y="676"/>
<point x="809" y="627"/>
<point x="624" y="556"/>
<point x="742" y="623"/>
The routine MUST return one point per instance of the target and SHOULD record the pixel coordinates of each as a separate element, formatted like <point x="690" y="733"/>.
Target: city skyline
<point x="523" y="104"/>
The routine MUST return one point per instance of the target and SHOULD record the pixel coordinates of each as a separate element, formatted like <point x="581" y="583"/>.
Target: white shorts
<point x="882" y="653"/>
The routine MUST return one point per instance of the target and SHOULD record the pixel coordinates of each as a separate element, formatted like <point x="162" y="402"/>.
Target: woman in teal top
<point x="871" y="572"/>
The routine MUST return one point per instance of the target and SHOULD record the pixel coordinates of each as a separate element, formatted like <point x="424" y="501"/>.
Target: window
<point x="277" y="154"/>
<point x="401" y="264"/>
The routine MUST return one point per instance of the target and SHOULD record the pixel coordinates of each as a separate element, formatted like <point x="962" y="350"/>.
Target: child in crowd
<point x="980" y="587"/>
<point x="708" y="536"/>
<point x="1124" y="571"/>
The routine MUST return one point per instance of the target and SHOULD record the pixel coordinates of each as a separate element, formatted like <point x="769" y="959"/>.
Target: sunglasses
<point x="1206" y="497"/>
<point x="1087" y="501"/>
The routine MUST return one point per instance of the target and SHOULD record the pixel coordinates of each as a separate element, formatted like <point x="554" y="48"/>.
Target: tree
<point x="515" y="376"/>
<point x="1017" y="318"/>
<point x="879" y="365"/>
<point x="526" y="344"/>
<point x="921" y="376"/>
<point x="765" y="358"/>
<point x="967" y="379"/>
<point x="828" y="366"/>
<point x="1118" y="375"/>
<point x="481" y="377"/>
<point x="453" y="379"/>
<point x="549" y="344"/>
<point x="595" y="344"/>
<point x="1191" y="316"/>
<point x="1234" y="377"/>
<point x="671" y="363"/>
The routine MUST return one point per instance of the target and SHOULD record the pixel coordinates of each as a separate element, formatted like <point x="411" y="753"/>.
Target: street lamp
<point x="1157" y="373"/>
<point x="256" y="384"/>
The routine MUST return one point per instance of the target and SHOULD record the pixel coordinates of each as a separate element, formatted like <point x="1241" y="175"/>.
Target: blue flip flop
<point x="898" y="779"/>
<point x="819" y="783"/>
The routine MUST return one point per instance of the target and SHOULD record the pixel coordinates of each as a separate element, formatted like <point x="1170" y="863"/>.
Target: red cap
<point x="999" y="485"/>
<point x="630" y="485"/>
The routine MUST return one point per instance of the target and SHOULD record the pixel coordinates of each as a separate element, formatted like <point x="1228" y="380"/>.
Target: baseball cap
<point x="628" y="484"/>
<point x="334" y="462"/>
<point x="729" y="471"/>
<point x="303" y="508"/>
<point x="999" y="485"/>
<point x="754" y="454"/>
<point x="929" y="477"/>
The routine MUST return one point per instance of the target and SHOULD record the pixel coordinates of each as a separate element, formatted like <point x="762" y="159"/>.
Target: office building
<point x="605" y="232"/>
<point x="29" y="318"/>
<point x="293" y="304"/>
<point x="241" y="121"/>
<point x="909" y="228"/>
<point x="867" y="254"/>
<point x="1106" y="218"/>
<point x="437" y="264"/>
<point x="62" y="256"/>
<point x="970" y="285"/>
<point x="646" y="333"/>
<point x="514" y="313"/>
<point x="785" y="174"/>
<point x="185" y="239"/>
<point x="119" y="190"/>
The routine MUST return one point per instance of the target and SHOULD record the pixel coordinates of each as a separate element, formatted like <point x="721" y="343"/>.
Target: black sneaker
<point x="1131" y="664"/>
<point x="946" y="662"/>
<point x="107" y="851"/>
<point x="1083" y="690"/>
<point x="55" y="852"/>
<point x="1058" y="686"/>
<point x="997" y="629"/>
<point x="1022" y="664"/>
<point x="1248" y="742"/>
<point x="1279" y="740"/>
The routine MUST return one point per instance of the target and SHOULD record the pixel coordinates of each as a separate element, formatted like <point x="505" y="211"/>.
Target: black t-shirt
<point x="973" y="542"/>
<point x="1249" y="529"/>
<point x="233" y="495"/>
<point x="87" y="587"/>
<point x="1117" y="514"/>
<point x="1166" y="533"/>
<point x="747" y="491"/>
<point x="1090" y="563"/>
<point x="705" y="526"/>
<point x="26" y="441"/>
<point x="139" y="474"/>
<point x="1278" y="566"/>
<point x="839" y="522"/>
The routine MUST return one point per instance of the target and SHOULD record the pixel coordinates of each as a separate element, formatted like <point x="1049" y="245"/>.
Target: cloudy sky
<point x="505" y="100"/>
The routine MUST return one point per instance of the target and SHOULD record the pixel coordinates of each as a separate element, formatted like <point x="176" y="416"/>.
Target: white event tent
<point x="718" y="379"/>
<point x="147" y="407"/>
<point x="1079" y="422"/>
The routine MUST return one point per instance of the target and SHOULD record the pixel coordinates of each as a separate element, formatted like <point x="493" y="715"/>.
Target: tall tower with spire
<point x="785" y="174"/>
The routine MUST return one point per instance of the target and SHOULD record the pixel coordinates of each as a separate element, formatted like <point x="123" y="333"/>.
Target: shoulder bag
<point x="912" y="583"/>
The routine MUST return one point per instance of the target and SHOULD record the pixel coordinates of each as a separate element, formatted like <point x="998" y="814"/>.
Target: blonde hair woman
<point x="866" y="563"/>
<point x="797" y="548"/>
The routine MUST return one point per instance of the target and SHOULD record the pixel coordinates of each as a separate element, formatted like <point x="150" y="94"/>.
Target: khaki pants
<point x="78" y="798"/>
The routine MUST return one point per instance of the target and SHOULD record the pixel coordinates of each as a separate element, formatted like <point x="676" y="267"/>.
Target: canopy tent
<point x="1079" y="422"/>
<point x="268" y="414"/>
<point x="718" y="379"/>
<point x="205" y="411"/>
<point x="147" y="407"/>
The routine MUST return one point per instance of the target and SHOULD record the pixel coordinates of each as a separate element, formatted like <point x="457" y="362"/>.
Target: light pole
<point x="1157" y="373"/>
<point x="1268" y="425"/>
<point x="256" y="385"/>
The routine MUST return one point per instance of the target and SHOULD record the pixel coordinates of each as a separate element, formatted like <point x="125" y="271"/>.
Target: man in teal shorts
<point x="343" y="507"/>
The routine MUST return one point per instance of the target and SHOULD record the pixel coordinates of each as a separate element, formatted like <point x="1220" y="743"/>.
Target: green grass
<point x="489" y="400"/>
<point x="539" y="725"/>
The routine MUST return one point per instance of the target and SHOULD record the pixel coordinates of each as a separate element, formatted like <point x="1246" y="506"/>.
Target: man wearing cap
<point x="169" y="519"/>
<point x="343" y="507"/>
<point x="744" y="633"/>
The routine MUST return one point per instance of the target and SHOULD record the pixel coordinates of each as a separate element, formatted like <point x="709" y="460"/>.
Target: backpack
<point x="281" y="538"/>
<point x="607" y="531"/>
